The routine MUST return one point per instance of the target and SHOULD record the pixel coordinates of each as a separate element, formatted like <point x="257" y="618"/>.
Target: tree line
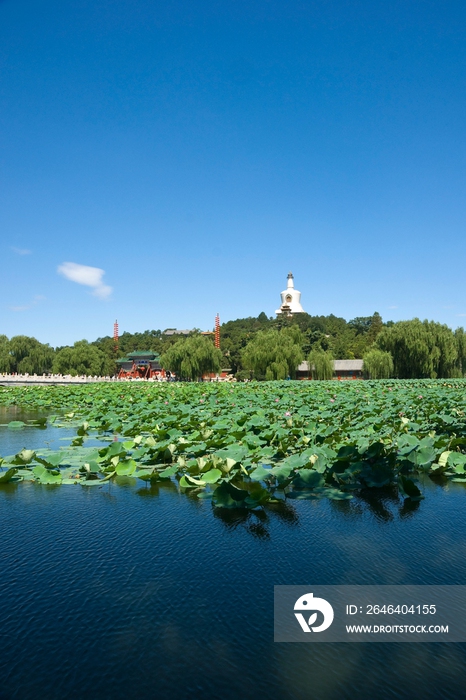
<point x="25" y="355"/>
<point x="262" y="348"/>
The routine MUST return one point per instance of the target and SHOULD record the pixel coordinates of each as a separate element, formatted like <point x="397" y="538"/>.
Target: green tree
<point x="460" y="337"/>
<point x="29" y="356"/>
<point x="83" y="358"/>
<point x="5" y="357"/>
<point x="235" y="335"/>
<point x="364" y="330"/>
<point x="274" y="354"/>
<point x="378" y="364"/>
<point x="321" y="364"/>
<point x="361" y="324"/>
<point x="445" y="341"/>
<point x="192" y="357"/>
<point x="420" y="349"/>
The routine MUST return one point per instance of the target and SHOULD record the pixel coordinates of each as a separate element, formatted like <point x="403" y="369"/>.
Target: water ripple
<point x="133" y="592"/>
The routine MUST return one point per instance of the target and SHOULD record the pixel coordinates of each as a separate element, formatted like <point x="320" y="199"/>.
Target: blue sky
<point x="194" y="153"/>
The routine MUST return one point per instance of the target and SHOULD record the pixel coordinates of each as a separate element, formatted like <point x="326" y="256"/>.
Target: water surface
<point x="134" y="591"/>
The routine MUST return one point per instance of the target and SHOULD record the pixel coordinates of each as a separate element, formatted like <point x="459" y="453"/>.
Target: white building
<point x="291" y="299"/>
<point x="344" y="369"/>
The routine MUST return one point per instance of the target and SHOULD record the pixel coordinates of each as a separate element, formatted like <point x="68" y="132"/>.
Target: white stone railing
<point x="52" y="379"/>
<point x="17" y="379"/>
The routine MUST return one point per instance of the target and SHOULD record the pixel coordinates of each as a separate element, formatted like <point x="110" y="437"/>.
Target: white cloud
<point x="21" y="251"/>
<point x="37" y="299"/>
<point x="89" y="276"/>
<point x="103" y="291"/>
<point x="393" y="307"/>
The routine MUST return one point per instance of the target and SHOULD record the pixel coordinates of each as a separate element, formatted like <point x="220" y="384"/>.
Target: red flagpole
<point x="115" y="336"/>
<point x="217" y="331"/>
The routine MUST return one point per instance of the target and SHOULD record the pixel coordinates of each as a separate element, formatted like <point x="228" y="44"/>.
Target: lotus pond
<point x="248" y="446"/>
<point x="144" y="526"/>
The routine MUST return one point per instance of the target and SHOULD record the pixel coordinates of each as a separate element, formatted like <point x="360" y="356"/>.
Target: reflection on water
<point x="152" y="489"/>
<point x="12" y="413"/>
<point x="35" y="434"/>
<point x="257" y="522"/>
<point x="385" y="503"/>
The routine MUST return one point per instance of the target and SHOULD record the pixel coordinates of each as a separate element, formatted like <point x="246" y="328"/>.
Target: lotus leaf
<point x="7" y="476"/>
<point x="25" y="474"/>
<point x="145" y="474"/>
<point x="52" y="460"/>
<point x="228" y="496"/>
<point x="212" y="476"/>
<point x="16" y="424"/>
<point x="116" y="449"/>
<point x="374" y="433"/>
<point x="260" y="473"/>
<point x="24" y="457"/>
<point x="376" y="475"/>
<point x="126" y="468"/>
<point x="408" y="488"/>
<point x="308" y="478"/>
<point x="456" y="460"/>
<point x="282" y="474"/>
<point x="46" y="476"/>
<point x="188" y="482"/>
<point x="168" y="472"/>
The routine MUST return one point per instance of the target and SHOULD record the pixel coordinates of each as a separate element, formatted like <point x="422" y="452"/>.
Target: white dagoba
<point x="291" y="299"/>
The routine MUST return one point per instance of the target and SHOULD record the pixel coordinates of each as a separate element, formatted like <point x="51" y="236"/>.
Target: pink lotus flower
<point x="332" y="400"/>
<point x="276" y="399"/>
<point x="287" y="413"/>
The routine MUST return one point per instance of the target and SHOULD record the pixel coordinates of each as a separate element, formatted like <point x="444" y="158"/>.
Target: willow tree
<point x="5" y="357"/>
<point x="378" y="364"/>
<point x="193" y="357"/>
<point x="420" y="349"/>
<point x="460" y="337"/>
<point x="83" y="358"/>
<point x="321" y="364"/>
<point x="274" y="354"/>
<point x="28" y="355"/>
